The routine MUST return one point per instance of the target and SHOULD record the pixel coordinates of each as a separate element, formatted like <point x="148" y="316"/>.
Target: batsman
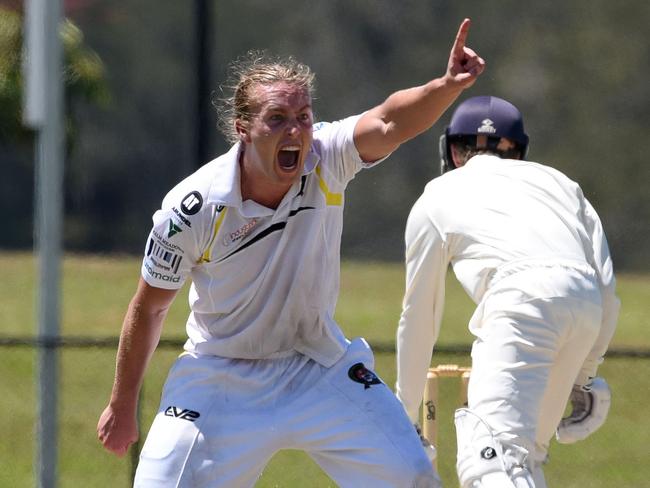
<point x="530" y="251"/>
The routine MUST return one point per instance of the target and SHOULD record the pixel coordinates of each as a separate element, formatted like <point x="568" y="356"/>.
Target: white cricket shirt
<point x="486" y="219"/>
<point x="264" y="282"/>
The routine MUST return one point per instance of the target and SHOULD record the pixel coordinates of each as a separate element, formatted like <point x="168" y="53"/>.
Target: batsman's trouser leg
<point x="527" y="353"/>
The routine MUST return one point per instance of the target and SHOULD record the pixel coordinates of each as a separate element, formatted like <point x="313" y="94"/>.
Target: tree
<point x="84" y="82"/>
<point x="83" y="75"/>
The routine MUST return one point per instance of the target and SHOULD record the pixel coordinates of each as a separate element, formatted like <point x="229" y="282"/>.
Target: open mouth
<point x="288" y="157"/>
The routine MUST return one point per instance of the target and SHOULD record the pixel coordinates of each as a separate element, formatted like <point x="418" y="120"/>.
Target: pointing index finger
<point x="461" y="37"/>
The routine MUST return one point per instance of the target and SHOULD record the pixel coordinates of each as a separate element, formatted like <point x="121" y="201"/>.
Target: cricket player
<point x="529" y="249"/>
<point x="258" y="232"/>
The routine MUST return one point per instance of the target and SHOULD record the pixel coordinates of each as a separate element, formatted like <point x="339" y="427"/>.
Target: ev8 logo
<point x="182" y="413"/>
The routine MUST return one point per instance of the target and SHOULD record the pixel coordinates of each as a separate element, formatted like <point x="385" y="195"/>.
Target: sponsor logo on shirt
<point x="488" y="453"/>
<point x="165" y="243"/>
<point x="182" y="217"/>
<point x="159" y="264"/>
<point x="240" y="233"/>
<point x="172" y="259"/>
<point x="360" y="374"/>
<point x="192" y="203"/>
<point x="173" y="229"/>
<point x="160" y="276"/>
<point x="182" y="413"/>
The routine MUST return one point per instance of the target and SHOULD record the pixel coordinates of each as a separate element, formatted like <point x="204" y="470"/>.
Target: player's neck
<point x="261" y="189"/>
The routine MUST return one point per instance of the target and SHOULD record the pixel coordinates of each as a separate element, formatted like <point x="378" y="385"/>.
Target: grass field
<point x="96" y="290"/>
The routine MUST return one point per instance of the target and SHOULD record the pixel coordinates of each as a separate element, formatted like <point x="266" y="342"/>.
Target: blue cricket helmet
<point x="484" y="115"/>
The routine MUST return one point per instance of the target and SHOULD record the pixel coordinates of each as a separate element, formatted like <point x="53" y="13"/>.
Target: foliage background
<point x="578" y="71"/>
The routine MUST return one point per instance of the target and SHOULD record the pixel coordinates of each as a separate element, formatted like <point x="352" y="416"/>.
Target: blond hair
<point x="254" y="69"/>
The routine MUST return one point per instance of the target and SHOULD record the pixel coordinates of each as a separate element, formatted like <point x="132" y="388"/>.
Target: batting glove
<point x="590" y="404"/>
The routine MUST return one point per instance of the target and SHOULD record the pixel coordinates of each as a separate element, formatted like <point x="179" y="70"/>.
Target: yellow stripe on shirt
<point x="335" y="199"/>
<point x="217" y="225"/>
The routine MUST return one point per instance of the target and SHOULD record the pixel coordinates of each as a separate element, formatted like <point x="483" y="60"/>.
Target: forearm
<point x="417" y="333"/>
<point x="139" y="337"/>
<point x="600" y="259"/>
<point x="402" y="116"/>
<point x="611" y="305"/>
<point x="414" y="347"/>
<point x="422" y="307"/>
<point x="117" y="428"/>
<point x="408" y="113"/>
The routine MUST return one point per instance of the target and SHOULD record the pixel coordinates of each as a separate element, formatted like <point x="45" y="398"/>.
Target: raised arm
<point x="407" y="113"/>
<point x="117" y="428"/>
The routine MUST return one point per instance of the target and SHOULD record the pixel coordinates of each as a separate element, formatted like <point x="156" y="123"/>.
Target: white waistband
<point x="275" y="355"/>
<point x="513" y="267"/>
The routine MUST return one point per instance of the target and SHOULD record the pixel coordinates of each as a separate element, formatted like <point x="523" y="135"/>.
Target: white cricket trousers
<point x="533" y="332"/>
<point x="221" y="420"/>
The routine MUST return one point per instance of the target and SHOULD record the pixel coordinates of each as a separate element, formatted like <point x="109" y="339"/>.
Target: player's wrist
<point x="123" y="402"/>
<point x="447" y="84"/>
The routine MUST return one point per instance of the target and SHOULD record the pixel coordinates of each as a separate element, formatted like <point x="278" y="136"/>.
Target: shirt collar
<point x="224" y="189"/>
<point x="311" y="161"/>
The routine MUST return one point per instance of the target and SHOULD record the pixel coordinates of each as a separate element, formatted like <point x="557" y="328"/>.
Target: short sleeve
<point x="176" y="240"/>
<point x="334" y="141"/>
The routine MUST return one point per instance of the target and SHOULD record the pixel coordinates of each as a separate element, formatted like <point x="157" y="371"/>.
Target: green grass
<point x="96" y="290"/>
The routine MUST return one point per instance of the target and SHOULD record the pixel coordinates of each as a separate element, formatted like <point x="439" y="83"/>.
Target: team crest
<point x="363" y="375"/>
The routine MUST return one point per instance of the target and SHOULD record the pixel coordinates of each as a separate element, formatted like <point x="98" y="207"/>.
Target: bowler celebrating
<point x="258" y="232"/>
